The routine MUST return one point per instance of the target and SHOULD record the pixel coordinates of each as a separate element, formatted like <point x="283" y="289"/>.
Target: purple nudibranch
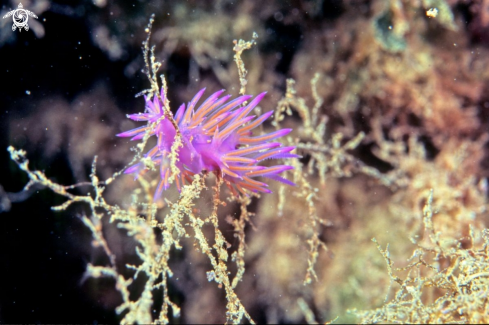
<point x="216" y="137"/>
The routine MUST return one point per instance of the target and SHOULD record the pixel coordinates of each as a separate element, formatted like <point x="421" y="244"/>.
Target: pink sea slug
<point x="216" y="137"/>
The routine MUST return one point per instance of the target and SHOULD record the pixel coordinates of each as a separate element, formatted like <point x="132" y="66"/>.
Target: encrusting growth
<point x="215" y="137"/>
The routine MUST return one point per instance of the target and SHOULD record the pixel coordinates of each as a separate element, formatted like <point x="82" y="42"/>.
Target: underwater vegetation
<point x="355" y="189"/>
